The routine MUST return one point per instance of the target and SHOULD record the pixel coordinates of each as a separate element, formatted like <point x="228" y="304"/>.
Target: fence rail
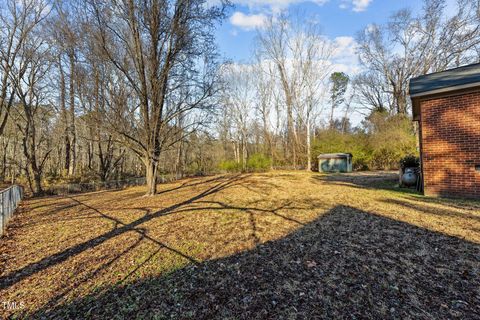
<point x="10" y="199"/>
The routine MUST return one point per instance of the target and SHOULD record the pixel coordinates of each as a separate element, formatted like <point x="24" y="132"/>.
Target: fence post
<point x="4" y="223"/>
<point x="10" y="200"/>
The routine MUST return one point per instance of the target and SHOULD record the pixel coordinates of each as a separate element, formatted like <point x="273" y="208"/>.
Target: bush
<point x="333" y="141"/>
<point x="385" y="158"/>
<point x="361" y="160"/>
<point x="391" y="138"/>
<point x="230" y="166"/>
<point x="258" y="163"/>
<point x="410" y="161"/>
<point x="255" y="163"/>
<point x="380" y="144"/>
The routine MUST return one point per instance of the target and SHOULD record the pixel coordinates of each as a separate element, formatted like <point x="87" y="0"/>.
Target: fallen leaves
<point x="273" y="245"/>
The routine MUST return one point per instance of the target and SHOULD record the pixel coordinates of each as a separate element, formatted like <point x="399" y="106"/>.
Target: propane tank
<point x="409" y="177"/>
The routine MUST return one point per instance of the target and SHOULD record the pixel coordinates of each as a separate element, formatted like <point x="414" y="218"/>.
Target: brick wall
<point x="450" y="142"/>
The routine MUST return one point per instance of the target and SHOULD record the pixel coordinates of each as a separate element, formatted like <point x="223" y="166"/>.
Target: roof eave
<point x="445" y="90"/>
<point x="417" y="97"/>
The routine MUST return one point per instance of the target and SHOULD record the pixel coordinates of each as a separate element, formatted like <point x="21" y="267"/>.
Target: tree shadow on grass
<point x="383" y="180"/>
<point x="423" y="207"/>
<point x="120" y="228"/>
<point x="346" y="264"/>
<point x="458" y="203"/>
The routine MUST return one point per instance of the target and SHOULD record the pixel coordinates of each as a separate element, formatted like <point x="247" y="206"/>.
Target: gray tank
<point x="409" y="178"/>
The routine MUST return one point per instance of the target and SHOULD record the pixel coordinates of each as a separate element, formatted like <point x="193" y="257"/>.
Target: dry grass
<point x="273" y="245"/>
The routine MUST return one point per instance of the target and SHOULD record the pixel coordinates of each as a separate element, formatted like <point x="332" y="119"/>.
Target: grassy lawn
<point x="274" y="245"/>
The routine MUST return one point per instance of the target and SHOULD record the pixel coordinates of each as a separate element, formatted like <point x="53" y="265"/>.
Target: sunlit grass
<point x="59" y="249"/>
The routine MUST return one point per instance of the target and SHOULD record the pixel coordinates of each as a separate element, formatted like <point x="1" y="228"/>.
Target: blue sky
<point x="340" y="21"/>
<point x="338" y="18"/>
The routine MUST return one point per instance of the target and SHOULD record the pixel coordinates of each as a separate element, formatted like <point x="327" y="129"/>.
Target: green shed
<point x="335" y="162"/>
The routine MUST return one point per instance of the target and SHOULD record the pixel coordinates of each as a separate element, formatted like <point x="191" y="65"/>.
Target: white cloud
<point x="345" y="47"/>
<point x="360" y="5"/>
<point x="248" y="22"/>
<point x="273" y="6"/>
<point x="344" y="57"/>
<point x="275" y="3"/>
<point x="276" y="6"/>
<point x="355" y="5"/>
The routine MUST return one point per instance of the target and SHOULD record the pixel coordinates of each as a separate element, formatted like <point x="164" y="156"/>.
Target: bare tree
<point x="371" y="93"/>
<point x="155" y="45"/>
<point x="267" y="99"/>
<point x="299" y="53"/>
<point x="32" y="113"/>
<point x="18" y="19"/>
<point x="239" y="96"/>
<point x="65" y="37"/>
<point x="414" y="45"/>
<point x="275" y="47"/>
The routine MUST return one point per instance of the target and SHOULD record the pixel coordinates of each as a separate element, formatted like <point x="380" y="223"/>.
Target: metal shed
<point x="335" y="162"/>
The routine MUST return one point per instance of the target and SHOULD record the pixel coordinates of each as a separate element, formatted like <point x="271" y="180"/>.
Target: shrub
<point x="333" y="141"/>
<point x="361" y="160"/>
<point x="258" y="163"/>
<point x="410" y="161"/>
<point x="385" y="158"/>
<point x="391" y="138"/>
<point x="380" y="143"/>
<point x="230" y="166"/>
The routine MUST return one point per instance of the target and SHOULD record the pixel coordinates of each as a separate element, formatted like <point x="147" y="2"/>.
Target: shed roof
<point x="444" y="81"/>
<point x="334" y="155"/>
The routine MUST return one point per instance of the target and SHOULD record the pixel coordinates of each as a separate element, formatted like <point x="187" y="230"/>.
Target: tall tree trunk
<point x="291" y="147"/>
<point x="399" y="98"/>
<point x="267" y="140"/>
<point x="30" y="154"/>
<point x="236" y="151"/>
<point x="309" y="147"/>
<point x="63" y="105"/>
<point x="294" y="146"/>
<point x="73" y="154"/>
<point x="67" y="153"/>
<point x="290" y="138"/>
<point x="13" y="171"/>
<point x="244" y="149"/>
<point x="332" y="112"/>
<point x="37" y="179"/>
<point x="5" y="143"/>
<point x="178" y="162"/>
<point x="151" y="168"/>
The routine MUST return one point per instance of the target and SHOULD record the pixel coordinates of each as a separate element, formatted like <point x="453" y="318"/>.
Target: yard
<point x="276" y="245"/>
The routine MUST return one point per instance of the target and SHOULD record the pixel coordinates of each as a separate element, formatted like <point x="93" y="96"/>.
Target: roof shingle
<point x="452" y="78"/>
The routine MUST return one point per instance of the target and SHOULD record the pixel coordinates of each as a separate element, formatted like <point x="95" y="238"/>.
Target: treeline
<point x="103" y="90"/>
<point x="289" y="104"/>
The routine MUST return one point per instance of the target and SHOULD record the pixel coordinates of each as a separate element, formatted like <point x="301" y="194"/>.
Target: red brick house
<point x="447" y="107"/>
